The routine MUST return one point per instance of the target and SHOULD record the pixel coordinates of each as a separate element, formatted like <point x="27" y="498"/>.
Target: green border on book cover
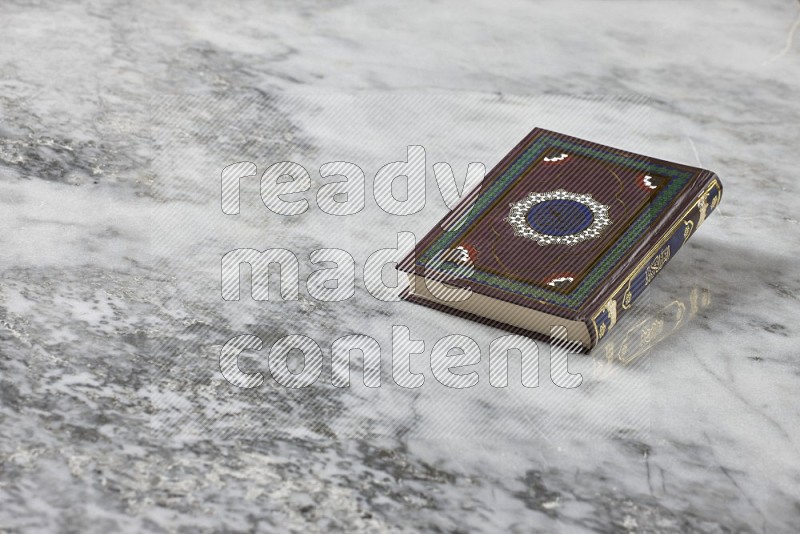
<point x="611" y="257"/>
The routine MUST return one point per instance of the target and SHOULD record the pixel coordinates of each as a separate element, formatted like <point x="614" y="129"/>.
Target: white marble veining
<point x="116" y="119"/>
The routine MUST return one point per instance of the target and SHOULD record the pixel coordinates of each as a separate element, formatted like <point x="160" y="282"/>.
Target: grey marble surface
<point x="116" y="119"/>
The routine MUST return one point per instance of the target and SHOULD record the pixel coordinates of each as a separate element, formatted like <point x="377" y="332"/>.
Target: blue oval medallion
<point x="559" y="217"/>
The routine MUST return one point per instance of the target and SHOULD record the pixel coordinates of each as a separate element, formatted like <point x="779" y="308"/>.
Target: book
<point x="563" y="232"/>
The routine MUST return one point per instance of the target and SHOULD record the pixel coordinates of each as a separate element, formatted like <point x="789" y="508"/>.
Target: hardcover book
<point x="562" y="232"/>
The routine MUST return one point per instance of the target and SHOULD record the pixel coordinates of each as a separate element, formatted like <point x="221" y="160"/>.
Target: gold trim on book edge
<point x="703" y="206"/>
<point x="627" y="298"/>
<point x="658" y="262"/>
<point x="687" y="230"/>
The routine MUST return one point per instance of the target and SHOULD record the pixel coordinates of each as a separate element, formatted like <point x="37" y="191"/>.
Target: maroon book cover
<point x="565" y="227"/>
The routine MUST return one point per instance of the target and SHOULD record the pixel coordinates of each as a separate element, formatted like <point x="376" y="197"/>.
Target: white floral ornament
<point x="560" y="280"/>
<point x="460" y="255"/>
<point x="560" y="157"/>
<point x="518" y="218"/>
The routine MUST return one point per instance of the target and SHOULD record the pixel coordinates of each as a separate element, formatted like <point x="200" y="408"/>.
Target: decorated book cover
<point x="562" y="232"/>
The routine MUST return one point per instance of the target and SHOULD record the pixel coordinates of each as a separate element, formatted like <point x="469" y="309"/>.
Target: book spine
<point x="626" y="293"/>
